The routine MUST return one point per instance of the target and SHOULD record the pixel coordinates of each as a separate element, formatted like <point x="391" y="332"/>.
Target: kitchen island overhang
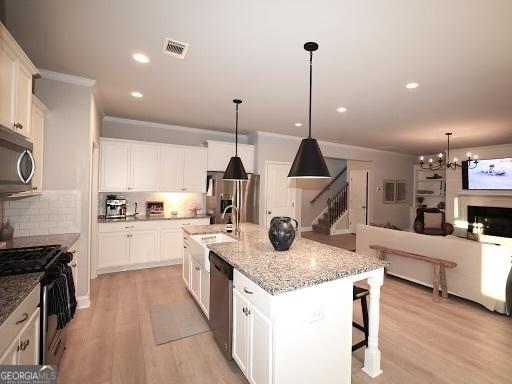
<point x="302" y="301"/>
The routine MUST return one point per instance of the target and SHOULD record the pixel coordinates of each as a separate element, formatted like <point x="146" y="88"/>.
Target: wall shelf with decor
<point x="432" y="181"/>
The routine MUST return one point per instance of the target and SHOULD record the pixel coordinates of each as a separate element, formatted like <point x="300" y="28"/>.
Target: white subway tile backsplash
<point x="11" y="212"/>
<point x="53" y="212"/>
<point x="28" y="225"/>
<point x="38" y="232"/>
<point x="28" y="211"/>
<point x="38" y="218"/>
<point x="21" y="232"/>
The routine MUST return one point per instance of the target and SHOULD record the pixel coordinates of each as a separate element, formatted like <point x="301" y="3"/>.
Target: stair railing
<point x="328" y="186"/>
<point x="337" y="205"/>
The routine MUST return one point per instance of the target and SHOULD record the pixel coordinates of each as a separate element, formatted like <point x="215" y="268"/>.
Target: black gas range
<point x="16" y="261"/>
<point x="53" y="261"/>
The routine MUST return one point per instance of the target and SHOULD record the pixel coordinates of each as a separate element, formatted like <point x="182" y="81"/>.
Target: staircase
<point x="336" y="208"/>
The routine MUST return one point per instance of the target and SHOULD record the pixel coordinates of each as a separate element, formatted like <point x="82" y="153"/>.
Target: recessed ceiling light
<point x="411" y="85"/>
<point x="298" y="124"/>
<point x="341" y="109"/>
<point x="140" y="57"/>
<point x="136" y="94"/>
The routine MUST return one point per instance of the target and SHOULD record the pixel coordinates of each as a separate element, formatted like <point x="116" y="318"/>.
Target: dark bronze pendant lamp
<point x="309" y="161"/>
<point x="235" y="169"/>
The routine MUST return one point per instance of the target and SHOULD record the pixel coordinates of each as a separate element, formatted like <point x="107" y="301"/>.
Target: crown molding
<point x="77" y="80"/>
<point x="169" y="126"/>
<point x="331" y="144"/>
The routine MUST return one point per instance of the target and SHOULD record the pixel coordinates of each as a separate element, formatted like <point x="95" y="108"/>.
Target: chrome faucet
<point x="236" y="221"/>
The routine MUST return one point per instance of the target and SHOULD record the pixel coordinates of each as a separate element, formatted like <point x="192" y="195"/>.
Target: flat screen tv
<point x="494" y="174"/>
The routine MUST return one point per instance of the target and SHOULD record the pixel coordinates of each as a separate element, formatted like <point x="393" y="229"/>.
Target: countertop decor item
<point x="282" y="232"/>
<point x="154" y="208"/>
<point x="235" y="169"/>
<point x="309" y="161"/>
<point x="7" y="231"/>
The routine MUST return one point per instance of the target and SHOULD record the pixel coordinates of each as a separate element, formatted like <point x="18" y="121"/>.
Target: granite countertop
<point x="307" y="263"/>
<point x="14" y="289"/>
<point x="102" y="219"/>
<point x="66" y="240"/>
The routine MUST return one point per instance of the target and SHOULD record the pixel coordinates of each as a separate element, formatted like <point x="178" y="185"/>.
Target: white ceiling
<point x="460" y="51"/>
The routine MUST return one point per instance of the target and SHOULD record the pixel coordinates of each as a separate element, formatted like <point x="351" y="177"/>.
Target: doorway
<point x="280" y="195"/>
<point x="358" y="199"/>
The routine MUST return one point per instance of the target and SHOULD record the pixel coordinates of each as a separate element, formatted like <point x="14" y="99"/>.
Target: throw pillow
<point x="432" y="220"/>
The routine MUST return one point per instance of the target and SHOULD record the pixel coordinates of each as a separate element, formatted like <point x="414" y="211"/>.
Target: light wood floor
<point x="454" y="341"/>
<point x="345" y="241"/>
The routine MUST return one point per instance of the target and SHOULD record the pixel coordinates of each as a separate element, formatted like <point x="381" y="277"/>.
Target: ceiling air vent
<point x="175" y="48"/>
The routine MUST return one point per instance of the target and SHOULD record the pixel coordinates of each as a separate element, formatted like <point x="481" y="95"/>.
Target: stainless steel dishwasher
<point x="221" y="303"/>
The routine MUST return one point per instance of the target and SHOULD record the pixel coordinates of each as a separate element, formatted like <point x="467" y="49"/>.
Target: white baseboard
<point x="83" y="302"/>
<point x="153" y="264"/>
<point x="306" y="229"/>
<point x="340" y="232"/>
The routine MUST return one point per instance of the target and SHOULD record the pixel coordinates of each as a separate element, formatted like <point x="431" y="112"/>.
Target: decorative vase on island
<point x="282" y="232"/>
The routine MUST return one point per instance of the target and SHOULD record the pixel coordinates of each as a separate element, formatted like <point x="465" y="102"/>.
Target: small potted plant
<point x="420" y="200"/>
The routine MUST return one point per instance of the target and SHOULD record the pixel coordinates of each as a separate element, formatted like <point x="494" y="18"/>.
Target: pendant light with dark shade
<point x="235" y="169"/>
<point x="309" y="161"/>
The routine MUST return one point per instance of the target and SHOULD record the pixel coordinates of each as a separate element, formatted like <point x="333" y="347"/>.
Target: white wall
<point x="67" y="147"/>
<point x="162" y="133"/>
<point x="385" y="165"/>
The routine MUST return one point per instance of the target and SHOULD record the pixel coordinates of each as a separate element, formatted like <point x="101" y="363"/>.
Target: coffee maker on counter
<point x="115" y="207"/>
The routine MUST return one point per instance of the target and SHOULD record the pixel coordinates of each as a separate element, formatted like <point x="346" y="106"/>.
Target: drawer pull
<point x="247" y="291"/>
<point x="198" y="269"/>
<point x="73" y="251"/>
<point x="24" y="345"/>
<point x="23" y="319"/>
<point x="131" y="226"/>
<point x="74" y="265"/>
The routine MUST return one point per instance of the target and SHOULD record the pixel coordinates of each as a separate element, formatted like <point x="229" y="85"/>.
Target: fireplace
<point x="492" y="221"/>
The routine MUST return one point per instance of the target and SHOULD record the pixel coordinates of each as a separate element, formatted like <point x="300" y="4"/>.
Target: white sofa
<point x="481" y="273"/>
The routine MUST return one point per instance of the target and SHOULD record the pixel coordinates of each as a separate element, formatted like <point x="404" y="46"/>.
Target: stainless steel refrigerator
<point x="221" y="193"/>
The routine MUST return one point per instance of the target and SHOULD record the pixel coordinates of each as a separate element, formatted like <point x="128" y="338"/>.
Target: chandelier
<point x="472" y="161"/>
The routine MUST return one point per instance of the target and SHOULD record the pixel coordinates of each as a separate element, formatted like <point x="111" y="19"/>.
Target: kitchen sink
<point x="198" y="246"/>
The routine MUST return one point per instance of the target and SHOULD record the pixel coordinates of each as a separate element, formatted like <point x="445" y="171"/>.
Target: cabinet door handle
<point x="73" y="251"/>
<point x="18" y="126"/>
<point x="198" y="269"/>
<point x="132" y="226"/>
<point x="24" y="345"/>
<point x="74" y="265"/>
<point x="247" y="291"/>
<point x="23" y="319"/>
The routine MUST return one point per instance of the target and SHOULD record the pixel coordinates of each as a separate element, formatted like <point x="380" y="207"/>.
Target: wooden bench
<point x="438" y="268"/>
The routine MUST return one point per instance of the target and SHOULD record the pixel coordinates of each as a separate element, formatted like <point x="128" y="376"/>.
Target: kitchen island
<point x="292" y="311"/>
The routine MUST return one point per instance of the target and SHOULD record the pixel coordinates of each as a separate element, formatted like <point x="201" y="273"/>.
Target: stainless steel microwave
<point x="17" y="165"/>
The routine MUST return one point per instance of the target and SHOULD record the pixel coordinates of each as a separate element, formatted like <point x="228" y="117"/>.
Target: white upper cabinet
<point x="16" y="72"/>
<point x="23" y="101"/>
<point x="194" y="171"/>
<point x="7" y="85"/>
<point x="144" y="167"/>
<point x="37" y="134"/>
<point x="115" y="165"/>
<point x="172" y="164"/>
<point x="220" y="152"/>
<point x="139" y="166"/>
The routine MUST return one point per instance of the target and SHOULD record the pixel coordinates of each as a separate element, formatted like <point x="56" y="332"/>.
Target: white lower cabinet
<point x="140" y="244"/>
<point x="19" y="334"/>
<point x="252" y="340"/>
<point x="171" y="244"/>
<point x="240" y="332"/>
<point x="143" y="246"/>
<point x="113" y="249"/>
<point x="195" y="279"/>
<point x="186" y="266"/>
<point x="199" y="284"/>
